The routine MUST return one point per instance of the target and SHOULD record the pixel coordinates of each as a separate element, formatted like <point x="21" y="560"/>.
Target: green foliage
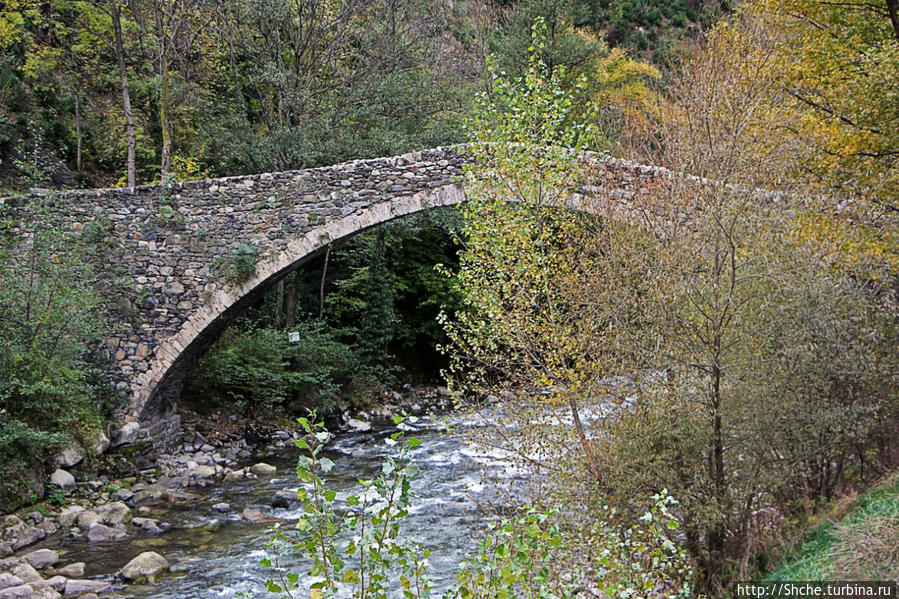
<point x="355" y="545"/>
<point x="49" y="315"/>
<point x="259" y="373"/>
<point x="243" y="263"/>
<point x="530" y="556"/>
<point x="378" y="315"/>
<point x="750" y="366"/>
<point x="56" y="496"/>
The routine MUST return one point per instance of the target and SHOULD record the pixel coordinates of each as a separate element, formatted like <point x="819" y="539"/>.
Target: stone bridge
<point x="168" y="253"/>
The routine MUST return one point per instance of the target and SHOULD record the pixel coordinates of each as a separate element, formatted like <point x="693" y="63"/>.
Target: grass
<point x="862" y="545"/>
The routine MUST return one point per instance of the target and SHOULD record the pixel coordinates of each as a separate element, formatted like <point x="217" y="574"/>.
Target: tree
<point x="49" y="319"/>
<point x="115" y="13"/>
<point x="673" y="343"/>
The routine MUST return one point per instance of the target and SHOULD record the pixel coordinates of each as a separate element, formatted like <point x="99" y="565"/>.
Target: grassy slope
<point x="862" y="545"/>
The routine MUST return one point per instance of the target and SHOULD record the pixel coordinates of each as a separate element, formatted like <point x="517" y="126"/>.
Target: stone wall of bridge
<point x="168" y="252"/>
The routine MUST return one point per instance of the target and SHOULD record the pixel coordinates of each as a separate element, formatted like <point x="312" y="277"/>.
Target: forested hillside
<point x="680" y="369"/>
<point x="115" y="93"/>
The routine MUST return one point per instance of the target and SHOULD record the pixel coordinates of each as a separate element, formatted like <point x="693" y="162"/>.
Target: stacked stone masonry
<point x="168" y="252"/>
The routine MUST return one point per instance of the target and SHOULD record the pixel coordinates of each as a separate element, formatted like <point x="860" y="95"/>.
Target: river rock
<point x="57" y="583"/>
<point x="222" y="508"/>
<point x="253" y="516"/>
<point x="71" y="571"/>
<point x="203" y="471"/>
<point x="75" y="586"/>
<point x="9" y="580"/>
<point x="114" y="513"/>
<point x="360" y="426"/>
<point x="21" y="535"/>
<point x="42" y="590"/>
<point x="99" y="533"/>
<point x="26" y="572"/>
<point x="127" y="434"/>
<point x="68" y="516"/>
<point x="5" y="549"/>
<point x="71" y="455"/>
<point x="100" y="443"/>
<point x="149" y="524"/>
<point x="124" y="495"/>
<point x="262" y="468"/>
<point x="87" y="518"/>
<point x="63" y="479"/>
<point x="147" y="566"/>
<point x="234" y="476"/>
<point x="22" y="591"/>
<point x="41" y="558"/>
<point x="284" y="499"/>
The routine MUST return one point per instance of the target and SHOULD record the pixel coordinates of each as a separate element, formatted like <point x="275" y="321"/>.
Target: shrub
<point x="49" y="316"/>
<point x="258" y="372"/>
<point x="243" y="263"/>
<point x="354" y="545"/>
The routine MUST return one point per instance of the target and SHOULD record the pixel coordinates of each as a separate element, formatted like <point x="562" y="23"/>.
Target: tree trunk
<point x="77" y="131"/>
<point x="119" y="45"/>
<point x="164" y="120"/>
<point x="893" y="7"/>
<point x="321" y="285"/>
<point x="290" y="307"/>
<point x="279" y="304"/>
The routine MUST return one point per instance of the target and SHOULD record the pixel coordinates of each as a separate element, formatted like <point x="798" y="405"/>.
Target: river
<point x="217" y="555"/>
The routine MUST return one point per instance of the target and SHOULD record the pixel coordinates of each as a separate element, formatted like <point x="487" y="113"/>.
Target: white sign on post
<point x="293" y="337"/>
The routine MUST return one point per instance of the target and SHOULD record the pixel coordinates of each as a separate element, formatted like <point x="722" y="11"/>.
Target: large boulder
<point x="284" y="498"/>
<point x="18" y="592"/>
<point x="253" y="516"/>
<point x="72" y="455"/>
<point x="41" y="558"/>
<point x="147" y="566"/>
<point x="99" y="443"/>
<point x="70" y="571"/>
<point x="87" y="518"/>
<point x="360" y="426"/>
<point x="114" y="513"/>
<point x="26" y="572"/>
<point x="202" y="471"/>
<point x="63" y="479"/>
<point x="42" y="590"/>
<point x="9" y="580"/>
<point x="18" y="534"/>
<point x="100" y="533"/>
<point x="127" y="434"/>
<point x="150" y="525"/>
<point x="68" y="516"/>
<point x="262" y="468"/>
<point x="76" y="586"/>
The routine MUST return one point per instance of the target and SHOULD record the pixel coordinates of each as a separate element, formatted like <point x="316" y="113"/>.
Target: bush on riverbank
<point x="49" y="393"/>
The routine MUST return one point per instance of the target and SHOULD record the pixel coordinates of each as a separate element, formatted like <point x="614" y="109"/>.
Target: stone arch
<point x="151" y="414"/>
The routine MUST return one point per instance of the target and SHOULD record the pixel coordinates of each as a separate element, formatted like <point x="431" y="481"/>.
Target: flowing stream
<point x="217" y="555"/>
